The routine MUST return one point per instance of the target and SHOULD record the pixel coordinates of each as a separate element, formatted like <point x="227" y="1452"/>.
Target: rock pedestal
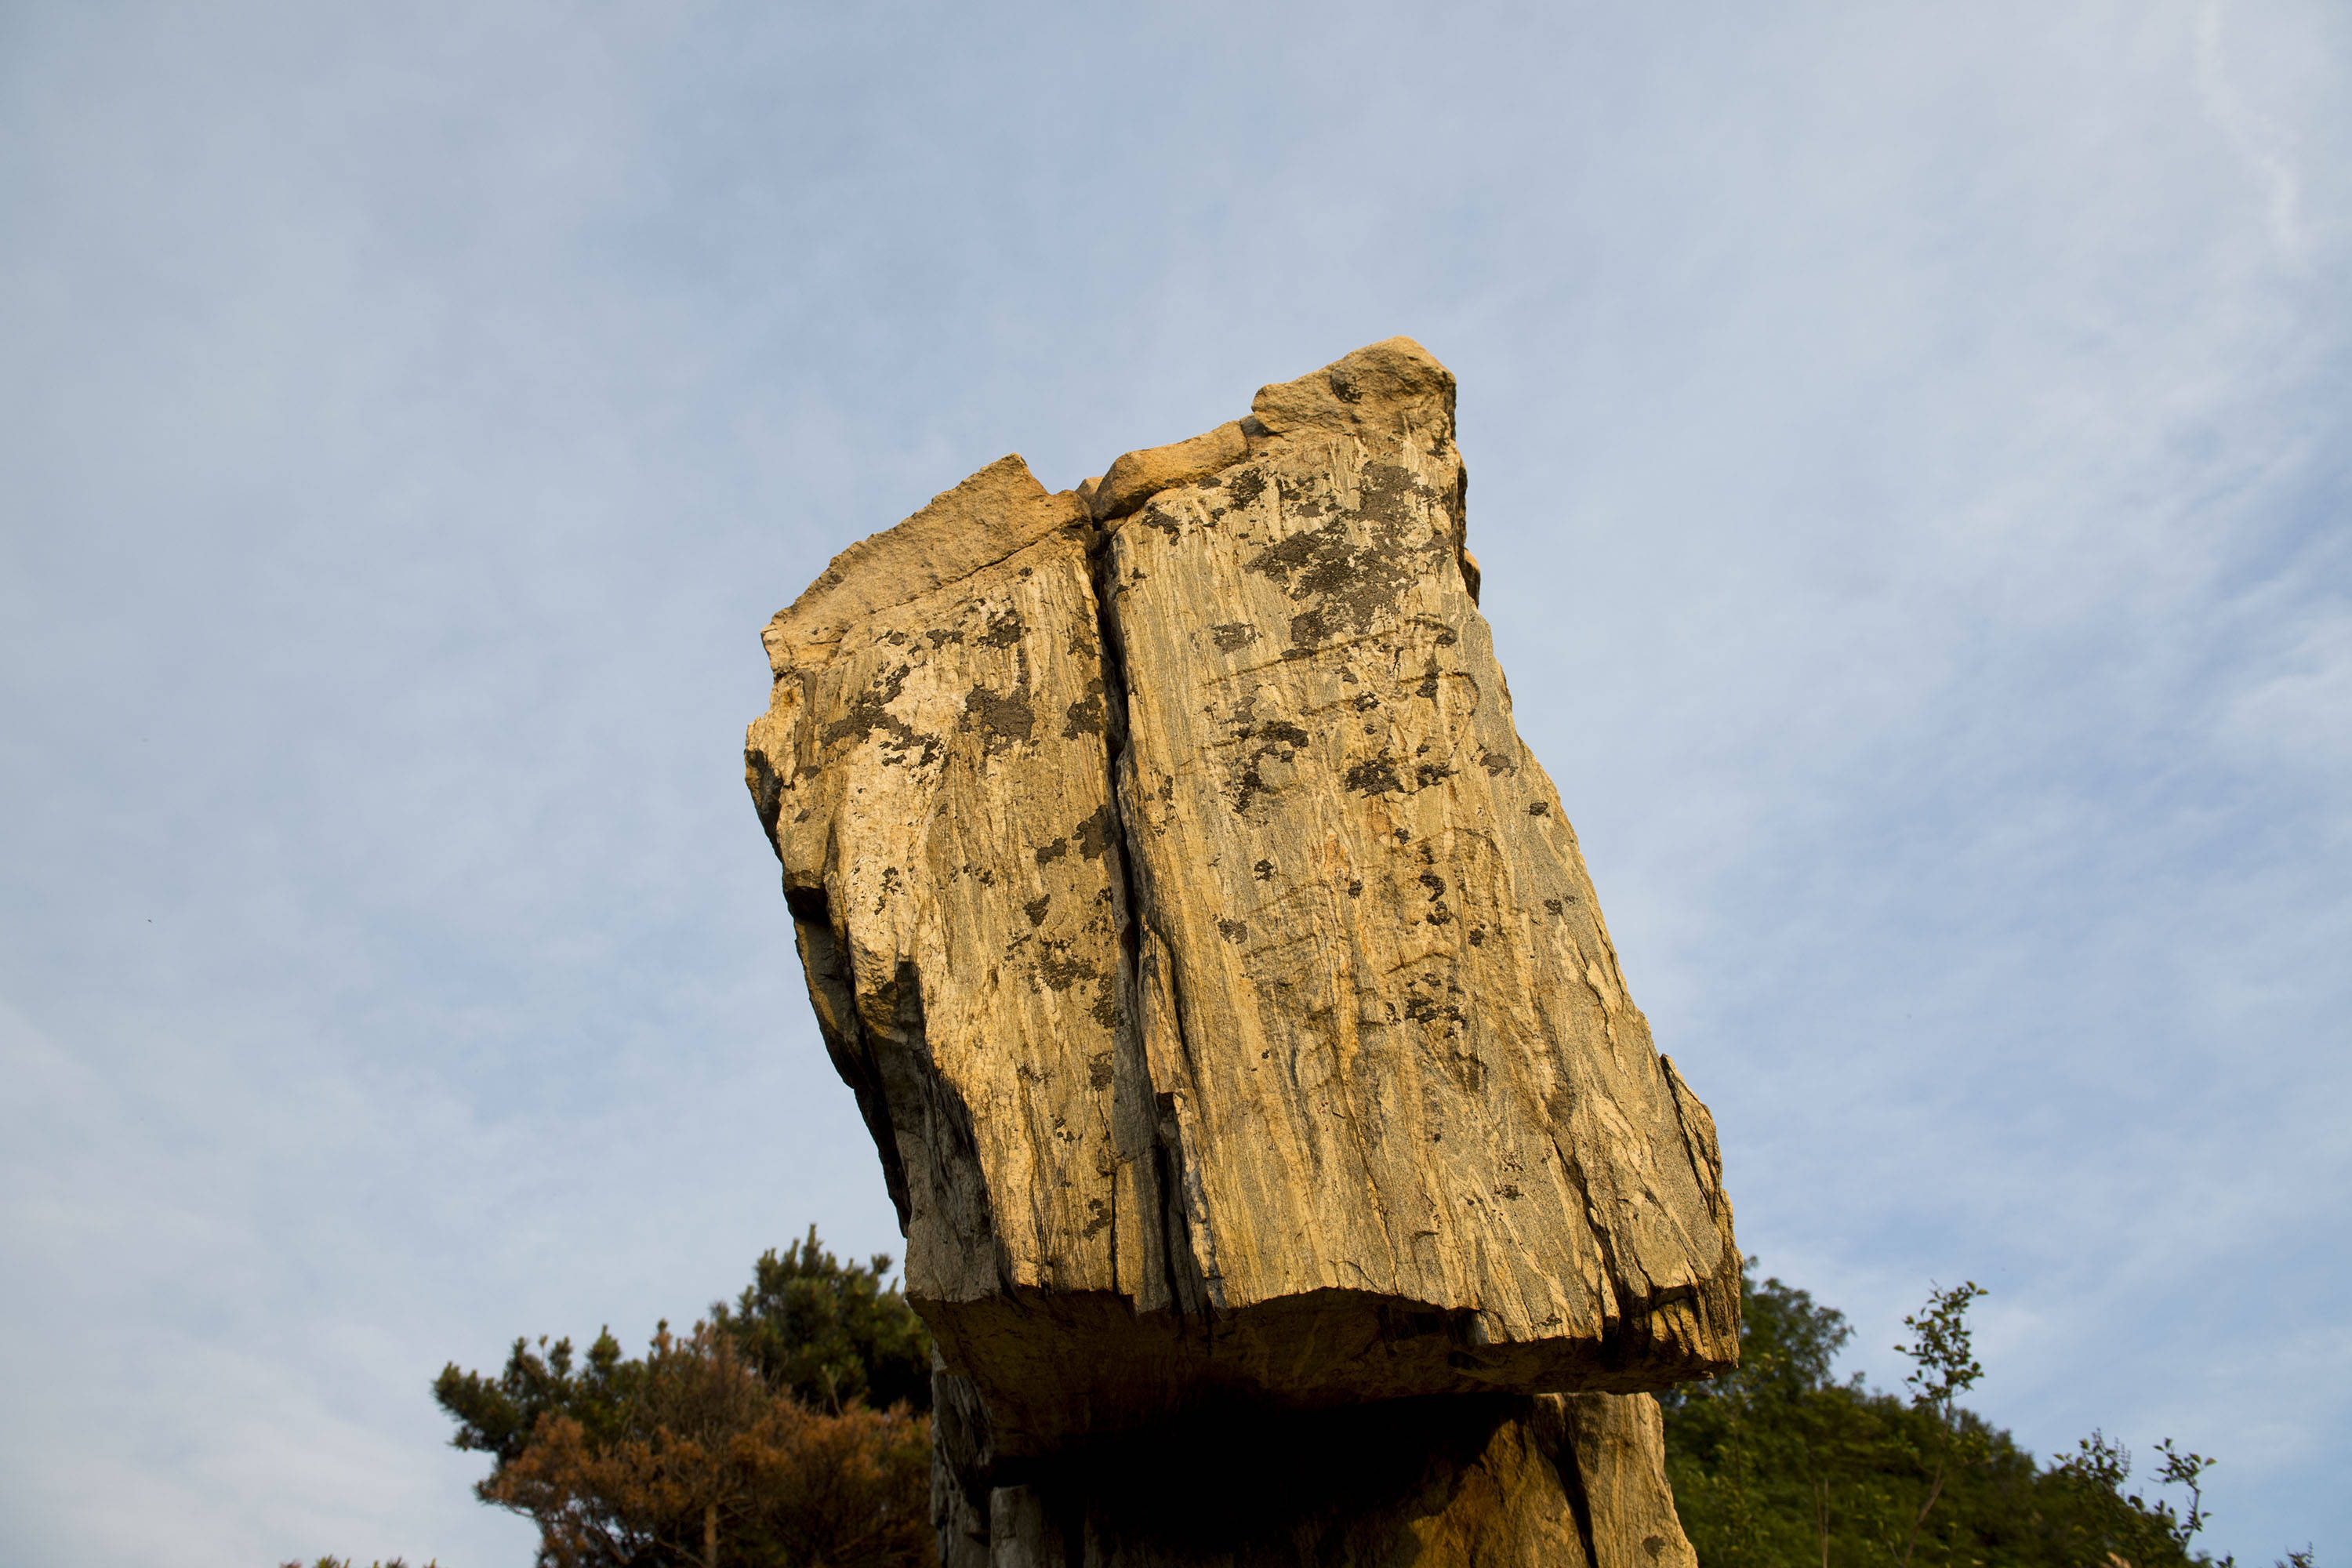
<point x="1223" y="988"/>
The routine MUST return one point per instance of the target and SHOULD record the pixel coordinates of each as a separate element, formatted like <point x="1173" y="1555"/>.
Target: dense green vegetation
<point x="1781" y="1464"/>
<point x="832" y="1334"/>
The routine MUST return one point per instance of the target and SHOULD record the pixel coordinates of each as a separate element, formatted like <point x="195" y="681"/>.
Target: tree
<point x="499" y="1416"/>
<point x="1777" y="1463"/>
<point x="753" y="1438"/>
<point x="829" y="1331"/>
<point x="711" y="1464"/>
<point x="2107" y="1524"/>
<point x="1943" y="1367"/>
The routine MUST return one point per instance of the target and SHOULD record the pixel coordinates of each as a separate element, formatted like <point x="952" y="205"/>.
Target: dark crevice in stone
<point x="1178" y="1271"/>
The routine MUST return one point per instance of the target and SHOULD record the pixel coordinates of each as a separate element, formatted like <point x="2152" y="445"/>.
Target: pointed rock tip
<point x="996" y="511"/>
<point x="1391" y="382"/>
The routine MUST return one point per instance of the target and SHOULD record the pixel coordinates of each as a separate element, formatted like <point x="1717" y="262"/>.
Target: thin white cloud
<point x="2267" y="146"/>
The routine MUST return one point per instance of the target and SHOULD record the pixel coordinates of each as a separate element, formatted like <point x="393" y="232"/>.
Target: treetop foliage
<point x="758" y="1430"/>
<point x="708" y="1452"/>
<point x="1779" y="1464"/>
<point x="830" y="1332"/>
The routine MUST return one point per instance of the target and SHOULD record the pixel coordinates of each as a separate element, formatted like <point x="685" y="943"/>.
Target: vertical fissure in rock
<point x="1172" y="1219"/>
<point x="1167" y="1142"/>
<point x="1571" y="1480"/>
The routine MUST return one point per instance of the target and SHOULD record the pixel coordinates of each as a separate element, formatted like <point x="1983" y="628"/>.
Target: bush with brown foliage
<point x="711" y="1465"/>
<point x="707" y="1450"/>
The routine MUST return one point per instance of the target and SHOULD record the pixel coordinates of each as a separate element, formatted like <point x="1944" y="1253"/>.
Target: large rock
<point x="1216" y="970"/>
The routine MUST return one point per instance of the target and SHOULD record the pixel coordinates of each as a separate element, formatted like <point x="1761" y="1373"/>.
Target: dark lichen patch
<point x="1049" y="853"/>
<point x="1539" y="808"/>
<point x="1428" y="773"/>
<point x="1263" y="870"/>
<point x="1300" y="498"/>
<point x="1004" y="716"/>
<point x="1552" y="905"/>
<point x="1003" y="630"/>
<point x="1281" y="732"/>
<point x="1247" y="788"/>
<point x="1098" y="1073"/>
<point x="1365" y="702"/>
<point x="939" y="637"/>
<point x="1234" y="930"/>
<point x="1154" y="515"/>
<point x="1098" y="1219"/>
<point x="1435" y="883"/>
<point x="1244" y="487"/>
<point x="1035" y="907"/>
<point x="869" y="712"/>
<point x="1278" y="739"/>
<point x="1374" y="776"/>
<point x="1496" y="763"/>
<point x="1057" y="969"/>
<point x="1098" y="831"/>
<point x="1232" y="635"/>
<point x="1106" y="1009"/>
<point x="1352" y="570"/>
<point x="1344" y="389"/>
<point x="1355" y="887"/>
<point x="1431" y="1006"/>
<point x="1087" y="715"/>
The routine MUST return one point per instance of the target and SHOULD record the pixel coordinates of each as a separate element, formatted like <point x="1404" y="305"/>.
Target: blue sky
<point x="1909" y="458"/>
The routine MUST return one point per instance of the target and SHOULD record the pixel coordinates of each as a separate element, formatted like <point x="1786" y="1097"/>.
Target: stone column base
<point x="1573" y="1480"/>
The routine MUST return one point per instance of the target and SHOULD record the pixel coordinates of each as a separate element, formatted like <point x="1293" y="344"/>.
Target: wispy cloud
<point x="2267" y="145"/>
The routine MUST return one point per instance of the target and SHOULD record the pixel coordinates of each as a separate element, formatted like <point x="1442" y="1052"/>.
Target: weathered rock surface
<point x="1216" y="971"/>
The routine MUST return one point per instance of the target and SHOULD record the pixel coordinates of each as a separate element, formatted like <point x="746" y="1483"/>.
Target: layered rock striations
<point x="1215" y="969"/>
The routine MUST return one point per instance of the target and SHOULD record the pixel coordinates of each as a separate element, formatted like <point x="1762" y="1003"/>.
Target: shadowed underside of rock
<point x="1561" y="1480"/>
<point x="1215" y="969"/>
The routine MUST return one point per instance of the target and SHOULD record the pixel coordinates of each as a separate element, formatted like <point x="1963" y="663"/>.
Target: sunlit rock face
<point x="1215" y="969"/>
